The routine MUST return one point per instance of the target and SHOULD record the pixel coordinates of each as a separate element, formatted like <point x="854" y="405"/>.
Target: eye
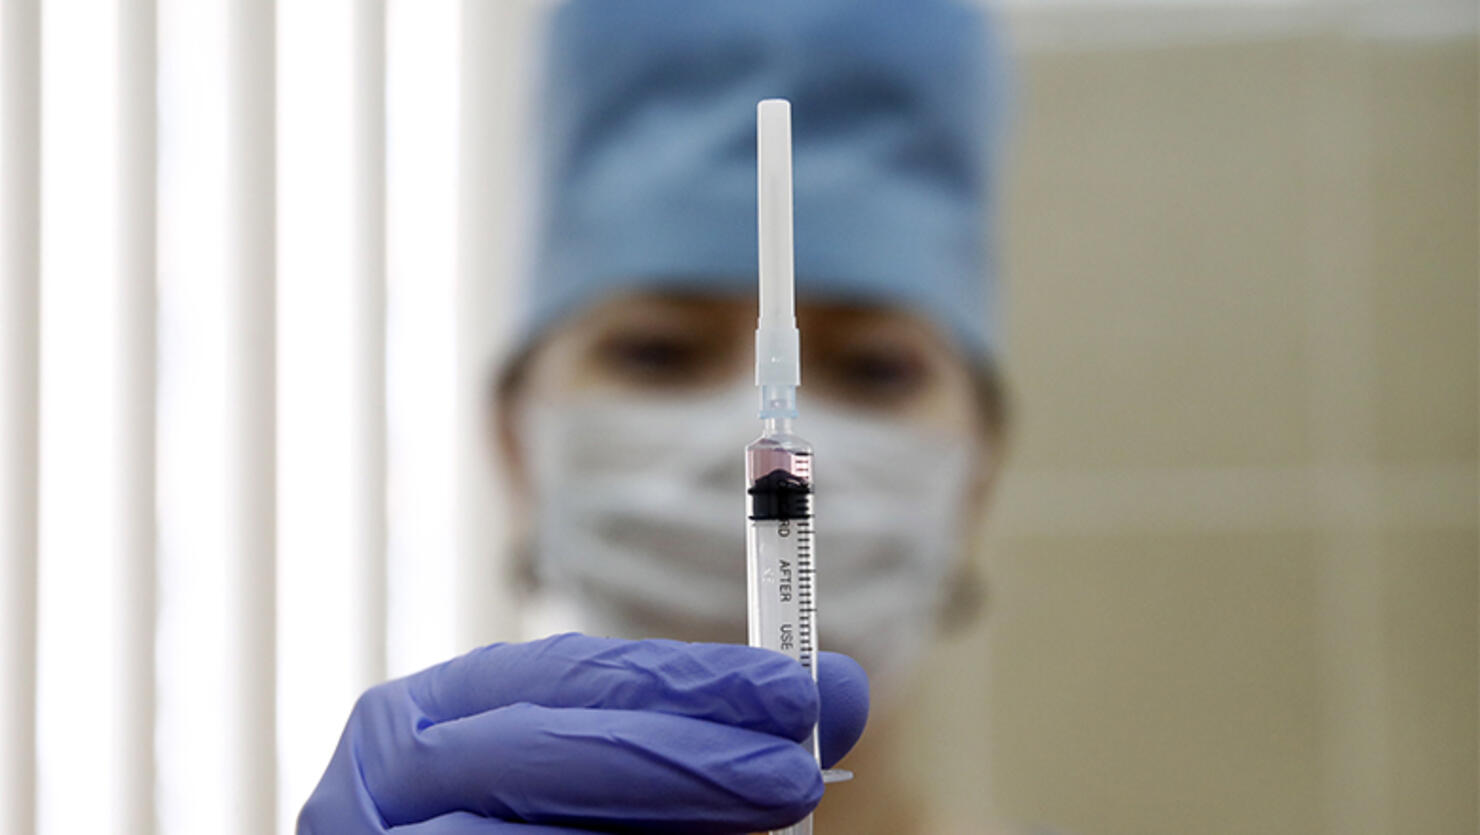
<point x="881" y="374"/>
<point x="653" y="358"/>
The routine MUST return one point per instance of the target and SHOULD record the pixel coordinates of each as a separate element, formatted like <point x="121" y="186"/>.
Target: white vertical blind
<point x="331" y="406"/>
<point x="478" y="615"/>
<point x="368" y="457"/>
<point x="81" y="603"/>
<point x="251" y="411"/>
<point x="20" y="26"/>
<point x="490" y="176"/>
<point x="421" y="233"/>
<point x="134" y="394"/>
<point x="195" y="705"/>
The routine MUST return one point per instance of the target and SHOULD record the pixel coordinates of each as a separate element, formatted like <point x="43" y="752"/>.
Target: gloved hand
<point x="575" y="731"/>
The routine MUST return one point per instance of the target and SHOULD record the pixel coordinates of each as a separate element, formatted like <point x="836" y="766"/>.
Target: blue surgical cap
<point x="648" y="168"/>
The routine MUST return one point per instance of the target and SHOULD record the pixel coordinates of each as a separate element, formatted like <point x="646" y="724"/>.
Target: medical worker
<point x="621" y="419"/>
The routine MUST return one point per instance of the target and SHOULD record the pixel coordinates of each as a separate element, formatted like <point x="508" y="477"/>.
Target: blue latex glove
<point x="575" y="731"/>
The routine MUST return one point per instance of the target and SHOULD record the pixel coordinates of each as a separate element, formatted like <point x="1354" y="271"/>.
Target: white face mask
<point x="641" y="523"/>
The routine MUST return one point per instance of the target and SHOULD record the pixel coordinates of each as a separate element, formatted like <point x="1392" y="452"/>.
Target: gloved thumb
<point x="843" y="686"/>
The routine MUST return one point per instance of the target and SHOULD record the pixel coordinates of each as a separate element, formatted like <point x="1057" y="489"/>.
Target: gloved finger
<point x="734" y="685"/>
<point x="341" y="805"/>
<point x="467" y="823"/>
<point x="602" y="768"/>
<point x="844" y="688"/>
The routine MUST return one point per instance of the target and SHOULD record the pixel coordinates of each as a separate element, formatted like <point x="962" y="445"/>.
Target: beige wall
<point x="1234" y="561"/>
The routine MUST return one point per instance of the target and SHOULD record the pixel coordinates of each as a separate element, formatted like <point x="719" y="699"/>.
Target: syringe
<point x="781" y="567"/>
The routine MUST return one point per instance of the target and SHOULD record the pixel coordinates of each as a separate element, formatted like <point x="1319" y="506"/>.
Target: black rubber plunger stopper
<point x="780" y="495"/>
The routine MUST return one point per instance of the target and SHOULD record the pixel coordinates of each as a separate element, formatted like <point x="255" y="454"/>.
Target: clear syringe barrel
<point x="781" y="564"/>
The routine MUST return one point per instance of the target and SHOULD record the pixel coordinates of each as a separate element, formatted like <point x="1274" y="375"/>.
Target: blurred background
<point x="256" y="261"/>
